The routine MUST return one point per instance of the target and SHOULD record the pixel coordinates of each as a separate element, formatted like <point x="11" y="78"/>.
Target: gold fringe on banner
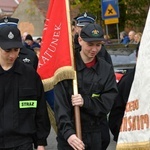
<point x="62" y="73"/>
<point x="52" y="118"/>
<point x="134" y="146"/>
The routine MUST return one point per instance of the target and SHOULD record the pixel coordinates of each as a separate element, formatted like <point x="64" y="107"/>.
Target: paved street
<point x="52" y="142"/>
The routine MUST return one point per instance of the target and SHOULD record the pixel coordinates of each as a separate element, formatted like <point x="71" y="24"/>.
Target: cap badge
<point x="95" y="32"/>
<point x="10" y="35"/>
<point x="85" y="15"/>
<point x="6" y="20"/>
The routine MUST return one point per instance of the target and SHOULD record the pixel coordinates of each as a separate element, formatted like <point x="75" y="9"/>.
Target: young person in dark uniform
<point x="82" y="20"/>
<point x="25" y="55"/>
<point x="118" y="109"/>
<point x="23" y="112"/>
<point x="29" y="57"/>
<point x="97" y="91"/>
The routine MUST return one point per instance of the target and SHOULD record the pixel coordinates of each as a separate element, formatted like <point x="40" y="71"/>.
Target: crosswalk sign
<point x="110" y="9"/>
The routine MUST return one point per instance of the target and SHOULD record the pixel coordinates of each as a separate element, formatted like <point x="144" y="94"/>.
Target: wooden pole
<point x="75" y="87"/>
<point x="77" y="110"/>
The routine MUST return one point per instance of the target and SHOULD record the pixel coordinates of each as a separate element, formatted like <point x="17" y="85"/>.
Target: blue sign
<point x="110" y="9"/>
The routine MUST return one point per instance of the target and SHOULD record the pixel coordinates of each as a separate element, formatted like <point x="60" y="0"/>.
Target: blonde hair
<point x="137" y="37"/>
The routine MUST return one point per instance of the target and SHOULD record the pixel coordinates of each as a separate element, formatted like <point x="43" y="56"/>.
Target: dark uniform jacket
<point x="118" y="109"/>
<point x="23" y="112"/>
<point x="97" y="86"/>
<point x="29" y="57"/>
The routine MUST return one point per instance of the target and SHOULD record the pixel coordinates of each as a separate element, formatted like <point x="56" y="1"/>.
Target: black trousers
<point x="105" y="134"/>
<point x="92" y="141"/>
<point x="27" y="146"/>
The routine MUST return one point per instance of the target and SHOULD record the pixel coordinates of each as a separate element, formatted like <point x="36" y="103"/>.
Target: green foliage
<point x="132" y="12"/>
<point x="92" y="6"/>
<point x="136" y="12"/>
<point x="75" y="2"/>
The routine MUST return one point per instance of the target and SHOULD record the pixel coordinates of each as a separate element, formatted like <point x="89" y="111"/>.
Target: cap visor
<point x="93" y="39"/>
<point x="82" y="24"/>
<point x="9" y="45"/>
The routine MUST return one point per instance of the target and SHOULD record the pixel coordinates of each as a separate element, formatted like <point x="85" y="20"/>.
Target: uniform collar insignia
<point x="26" y="60"/>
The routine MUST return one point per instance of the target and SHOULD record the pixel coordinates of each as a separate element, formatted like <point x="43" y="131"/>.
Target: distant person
<point x="30" y="43"/>
<point x="118" y="109"/>
<point x="124" y="39"/>
<point x="131" y="35"/>
<point x="24" y="36"/>
<point x="107" y="39"/>
<point x="81" y="21"/>
<point x="39" y="40"/>
<point x="137" y="37"/>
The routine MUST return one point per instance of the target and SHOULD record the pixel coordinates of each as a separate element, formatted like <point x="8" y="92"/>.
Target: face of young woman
<point x="9" y="56"/>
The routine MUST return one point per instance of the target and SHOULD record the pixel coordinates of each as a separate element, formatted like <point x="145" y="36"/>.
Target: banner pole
<point x="75" y="87"/>
<point x="77" y="110"/>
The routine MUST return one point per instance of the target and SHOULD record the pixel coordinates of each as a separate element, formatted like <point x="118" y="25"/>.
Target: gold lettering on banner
<point x="132" y="106"/>
<point x="133" y="123"/>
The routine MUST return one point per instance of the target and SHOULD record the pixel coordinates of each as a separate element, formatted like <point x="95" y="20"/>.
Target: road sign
<point x="110" y="9"/>
<point x="111" y="21"/>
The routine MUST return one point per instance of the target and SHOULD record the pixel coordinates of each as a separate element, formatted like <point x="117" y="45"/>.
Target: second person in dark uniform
<point x="97" y="91"/>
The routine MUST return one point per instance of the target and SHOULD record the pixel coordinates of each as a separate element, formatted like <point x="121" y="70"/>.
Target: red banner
<point x="56" y="56"/>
